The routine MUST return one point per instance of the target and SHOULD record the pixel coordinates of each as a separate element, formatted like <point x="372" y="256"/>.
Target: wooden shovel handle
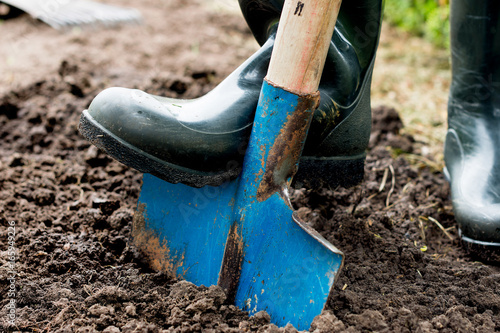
<point x="302" y="41"/>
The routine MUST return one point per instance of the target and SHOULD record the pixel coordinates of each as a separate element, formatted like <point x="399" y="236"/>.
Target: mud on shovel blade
<point x="244" y="235"/>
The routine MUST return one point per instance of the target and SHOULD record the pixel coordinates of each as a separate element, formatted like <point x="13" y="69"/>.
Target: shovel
<point x="244" y="235"/>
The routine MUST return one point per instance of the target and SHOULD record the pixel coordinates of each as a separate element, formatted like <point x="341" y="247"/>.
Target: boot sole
<point x="484" y="251"/>
<point x="313" y="173"/>
<point x="144" y="162"/>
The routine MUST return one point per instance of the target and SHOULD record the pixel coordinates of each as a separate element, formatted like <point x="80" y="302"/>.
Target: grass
<point x="413" y="76"/>
<point x="425" y="18"/>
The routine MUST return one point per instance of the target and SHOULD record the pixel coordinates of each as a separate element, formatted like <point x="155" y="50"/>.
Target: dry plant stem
<point x="384" y="180"/>
<point x="422" y="230"/>
<point x="393" y="184"/>
<point x="297" y="63"/>
<point x="441" y="227"/>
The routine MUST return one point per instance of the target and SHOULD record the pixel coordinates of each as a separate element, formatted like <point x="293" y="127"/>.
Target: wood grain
<point x="304" y="33"/>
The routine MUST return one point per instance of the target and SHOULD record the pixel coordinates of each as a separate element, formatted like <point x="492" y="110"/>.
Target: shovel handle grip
<point x="302" y="41"/>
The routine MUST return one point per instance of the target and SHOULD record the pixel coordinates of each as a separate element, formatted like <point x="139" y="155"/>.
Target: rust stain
<point x="229" y="276"/>
<point x="156" y="250"/>
<point x="262" y="156"/>
<point x="258" y="174"/>
<point x="283" y="157"/>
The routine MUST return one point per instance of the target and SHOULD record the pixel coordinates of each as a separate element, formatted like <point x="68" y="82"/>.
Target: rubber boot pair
<point x="202" y="141"/>
<point x="472" y="147"/>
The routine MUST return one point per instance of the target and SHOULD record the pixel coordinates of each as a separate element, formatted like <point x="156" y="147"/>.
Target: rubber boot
<point x="202" y="141"/>
<point x="472" y="147"/>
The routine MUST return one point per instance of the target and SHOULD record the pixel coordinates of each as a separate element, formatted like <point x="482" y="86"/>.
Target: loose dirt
<point x="76" y="269"/>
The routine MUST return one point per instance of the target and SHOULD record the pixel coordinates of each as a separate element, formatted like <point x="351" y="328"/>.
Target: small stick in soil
<point x="393" y="184"/>
<point x="384" y="180"/>
<point x="73" y="306"/>
<point x="88" y="290"/>
<point x="421" y="225"/>
<point x="432" y="205"/>
<point x="439" y="226"/>
<point x="405" y="188"/>
<point x="424" y="162"/>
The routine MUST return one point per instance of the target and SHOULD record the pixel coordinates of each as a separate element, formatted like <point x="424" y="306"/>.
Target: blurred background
<point x="412" y="72"/>
<point x="424" y="18"/>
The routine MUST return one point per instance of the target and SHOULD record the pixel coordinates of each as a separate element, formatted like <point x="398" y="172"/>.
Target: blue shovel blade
<point x="183" y="230"/>
<point x="288" y="269"/>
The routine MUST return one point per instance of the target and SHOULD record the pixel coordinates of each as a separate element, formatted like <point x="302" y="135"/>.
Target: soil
<point x="72" y="206"/>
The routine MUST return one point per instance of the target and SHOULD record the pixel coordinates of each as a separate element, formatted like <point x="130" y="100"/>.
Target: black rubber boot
<point x="202" y="142"/>
<point x="472" y="148"/>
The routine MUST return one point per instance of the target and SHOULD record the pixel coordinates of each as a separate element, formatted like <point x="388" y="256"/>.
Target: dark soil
<point x="76" y="270"/>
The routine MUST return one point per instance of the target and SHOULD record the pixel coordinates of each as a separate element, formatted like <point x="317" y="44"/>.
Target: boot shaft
<point x="475" y="52"/>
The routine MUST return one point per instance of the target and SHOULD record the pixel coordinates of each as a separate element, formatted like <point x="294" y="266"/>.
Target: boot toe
<point x="129" y="113"/>
<point x="136" y="119"/>
<point x="143" y="131"/>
